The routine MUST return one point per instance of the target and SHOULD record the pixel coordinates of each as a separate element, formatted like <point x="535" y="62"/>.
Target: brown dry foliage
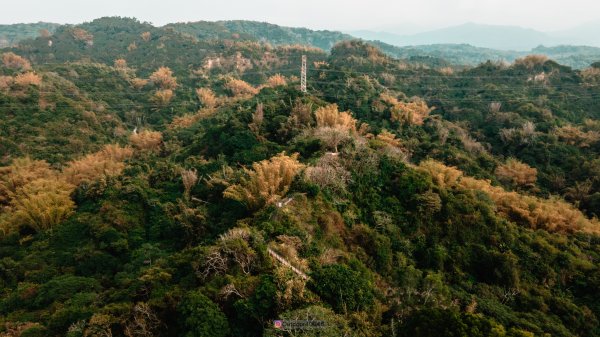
<point x="207" y="97"/>
<point x="138" y="83"/>
<point x="27" y="79"/>
<point x="413" y="113"/>
<point x="573" y="135"/>
<point x="107" y="162"/>
<point x="530" y="61"/>
<point x="41" y="204"/>
<point x="257" y="119"/>
<point x="162" y="97"/>
<point x="189" y="119"/>
<point x="516" y="173"/>
<point x="189" y="179"/>
<point x="163" y="78"/>
<point x="16" y="329"/>
<point x="276" y="81"/>
<point x="6" y="82"/>
<point x="388" y="138"/>
<point x="591" y="74"/>
<point x="240" y="88"/>
<point x="14" y="61"/>
<point x="553" y="214"/>
<point x="80" y="34"/>
<point x="146" y="140"/>
<point x="267" y="181"/>
<point x="21" y="172"/>
<point x="328" y="173"/>
<point x="120" y="63"/>
<point x="330" y="116"/>
<point x="146" y="36"/>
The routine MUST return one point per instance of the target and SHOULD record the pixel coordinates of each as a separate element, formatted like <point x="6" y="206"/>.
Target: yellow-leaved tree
<point x="146" y="140"/>
<point x="14" y="61"/>
<point x="21" y="172"/>
<point x="554" y="215"/>
<point x="330" y="116"/>
<point x="42" y="204"/>
<point x="163" y="78"/>
<point x="267" y="181"/>
<point x="516" y="173"/>
<point x="107" y="162"/>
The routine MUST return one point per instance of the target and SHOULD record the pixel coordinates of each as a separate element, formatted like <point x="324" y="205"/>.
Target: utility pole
<point x="303" y="75"/>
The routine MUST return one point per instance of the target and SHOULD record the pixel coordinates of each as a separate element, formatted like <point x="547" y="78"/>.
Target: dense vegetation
<point x="11" y="35"/>
<point x="148" y="179"/>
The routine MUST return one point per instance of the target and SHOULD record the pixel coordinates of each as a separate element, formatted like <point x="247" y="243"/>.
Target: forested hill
<point x="159" y="183"/>
<point x="11" y="35"/>
<point x="261" y="31"/>
<point x="435" y="55"/>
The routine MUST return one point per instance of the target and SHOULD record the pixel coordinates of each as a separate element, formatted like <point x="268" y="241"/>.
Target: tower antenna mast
<point x="303" y="75"/>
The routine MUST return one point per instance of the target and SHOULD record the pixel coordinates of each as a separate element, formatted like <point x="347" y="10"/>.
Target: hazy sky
<point x="547" y="15"/>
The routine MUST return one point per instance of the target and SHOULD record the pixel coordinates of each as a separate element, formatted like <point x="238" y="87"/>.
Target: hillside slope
<point x="187" y="187"/>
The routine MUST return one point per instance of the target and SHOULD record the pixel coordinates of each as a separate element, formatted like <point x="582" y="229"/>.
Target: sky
<point x="401" y="16"/>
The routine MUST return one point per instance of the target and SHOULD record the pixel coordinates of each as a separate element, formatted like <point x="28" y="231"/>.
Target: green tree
<point x="201" y="317"/>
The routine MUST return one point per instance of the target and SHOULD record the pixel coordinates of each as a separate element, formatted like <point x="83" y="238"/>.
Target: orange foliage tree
<point x="146" y="140"/>
<point x="107" y="162"/>
<point x="80" y="34"/>
<point x="14" y="61"/>
<point x="146" y="36"/>
<point x="120" y="63"/>
<point x="413" y="113"/>
<point x="163" y="78"/>
<point x="240" y="88"/>
<point x="553" y="214"/>
<point x="27" y="79"/>
<point x="42" y="204"/>
<point x="276" y="80"/>
<point x="162" y="97"/>
<point x="329" y="116"/>
<point x="21" y="172"/>
<point x="207" y="97"/>
<point x="267" y="181"/>
<point x="138" y="83"/>
<point x="516" y="173"/>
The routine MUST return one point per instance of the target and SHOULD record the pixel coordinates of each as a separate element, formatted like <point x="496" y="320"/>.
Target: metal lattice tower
<point x="303" y="75"/>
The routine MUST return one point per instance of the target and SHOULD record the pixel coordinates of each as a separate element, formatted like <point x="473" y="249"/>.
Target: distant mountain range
<point x="465" y="45"/>
<point x="491" y="36"/>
